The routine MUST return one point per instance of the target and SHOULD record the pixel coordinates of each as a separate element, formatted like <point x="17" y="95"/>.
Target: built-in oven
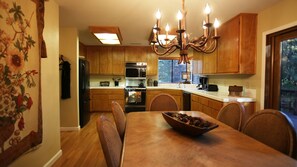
<point x="136" y="70"/>
<point x="135" y="99"/>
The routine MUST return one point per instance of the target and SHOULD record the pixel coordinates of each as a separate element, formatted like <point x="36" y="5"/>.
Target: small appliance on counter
<point x="104" y="83"/>
<point x="212" y="87"/>
<point x="149" y="82"/>
<point x="155" y="83"/>
<point x="203" y="83"/>
<point x="235" y="90"/>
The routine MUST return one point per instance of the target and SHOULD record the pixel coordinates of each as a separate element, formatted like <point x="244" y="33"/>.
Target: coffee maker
<point x="203" y="83"/>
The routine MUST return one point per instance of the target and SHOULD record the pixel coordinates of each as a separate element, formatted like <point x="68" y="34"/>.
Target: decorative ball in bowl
<point x="184" y="123"/>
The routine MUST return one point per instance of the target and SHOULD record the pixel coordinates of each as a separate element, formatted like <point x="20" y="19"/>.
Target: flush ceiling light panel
<point x="107" y="35"/>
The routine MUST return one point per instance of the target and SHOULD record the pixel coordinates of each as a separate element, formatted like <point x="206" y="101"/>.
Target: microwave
<point x="136" y="70"/>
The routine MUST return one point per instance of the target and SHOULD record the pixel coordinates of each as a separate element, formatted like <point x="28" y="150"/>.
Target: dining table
<point x="150" y="141"/>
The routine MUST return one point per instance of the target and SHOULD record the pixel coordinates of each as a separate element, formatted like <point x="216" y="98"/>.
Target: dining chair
<point x="232" y="114"/>
<point x="110" y="141"/>
<point x="273" y="128"/>
<point x="163" y="102"/>
<point x="119" y="118"/>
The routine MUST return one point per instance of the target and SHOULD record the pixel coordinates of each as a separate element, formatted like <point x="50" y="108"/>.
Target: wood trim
<point x="273" y="66"/>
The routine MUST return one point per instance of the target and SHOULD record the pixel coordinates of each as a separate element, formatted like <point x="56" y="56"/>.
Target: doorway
<point x="281" y="72"/>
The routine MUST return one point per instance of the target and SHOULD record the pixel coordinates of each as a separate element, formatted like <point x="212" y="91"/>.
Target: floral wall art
<point x="21" y="47"/>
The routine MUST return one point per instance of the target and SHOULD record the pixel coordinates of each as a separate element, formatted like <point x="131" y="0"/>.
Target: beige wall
<point x="279" y="16"/>
<point x="50" y="145"/>
<point x="69" y="45"/>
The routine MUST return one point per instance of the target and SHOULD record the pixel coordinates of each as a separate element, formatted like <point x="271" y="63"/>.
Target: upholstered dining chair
<point x="273" y="128"/>
<point x="119" y="118"/>
<point x="232" y="114"/>
<point x="163" y="102"/>
<point x="110" y="141"/>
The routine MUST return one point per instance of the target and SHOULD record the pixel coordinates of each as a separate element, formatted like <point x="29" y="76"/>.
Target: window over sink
<point x="171" y="72"/>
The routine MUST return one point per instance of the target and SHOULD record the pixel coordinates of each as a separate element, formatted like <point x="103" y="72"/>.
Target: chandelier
<point x="207" y="43"/>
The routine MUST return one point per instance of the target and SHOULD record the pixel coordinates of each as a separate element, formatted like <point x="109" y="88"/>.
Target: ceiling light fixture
<point x="207" y="43"/>
<point x="107" y="35"/>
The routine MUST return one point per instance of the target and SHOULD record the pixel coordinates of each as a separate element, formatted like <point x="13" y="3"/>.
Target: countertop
<point x="220" y="96"/>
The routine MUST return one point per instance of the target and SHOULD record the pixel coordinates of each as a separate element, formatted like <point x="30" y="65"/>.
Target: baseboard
<point x="53" y="159"/>
<point x="70" y="128"/>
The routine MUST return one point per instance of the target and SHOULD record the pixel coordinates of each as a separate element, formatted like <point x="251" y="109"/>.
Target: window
<point x="171" y="72"/>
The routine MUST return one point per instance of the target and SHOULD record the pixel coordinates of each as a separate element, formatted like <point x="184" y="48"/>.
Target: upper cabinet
<point x="118" y="60"/>
<point x="135" y="54"/>
<point x="237" y="45"/>
<point x="152" y="62"/>
<point x="105" y="62"/>
<point x="93" y="59"/>
<point x="205" y="63"/>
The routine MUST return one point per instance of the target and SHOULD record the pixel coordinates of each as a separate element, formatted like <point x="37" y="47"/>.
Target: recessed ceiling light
<point x="107" y="35"/>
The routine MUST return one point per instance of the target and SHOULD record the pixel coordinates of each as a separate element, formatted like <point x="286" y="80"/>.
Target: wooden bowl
<point x="186" y="127"/>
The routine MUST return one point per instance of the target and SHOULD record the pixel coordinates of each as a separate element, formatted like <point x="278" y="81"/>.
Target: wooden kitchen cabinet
<point x="206" y="105"/>
<point x="177" y="94"/>
<point x="212" y="107"/>
<point x="135" y="54"/>
<point x="100" y="99"/>
<point x="205" y="63"/>
<point x="152" y="63"/>
<point x="237" y="45"/>
<point x="93" y="59"/>
<point x="105" y="60"/>
<point x="118" y="61"/>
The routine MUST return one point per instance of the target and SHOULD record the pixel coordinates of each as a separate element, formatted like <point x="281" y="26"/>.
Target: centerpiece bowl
<point x="183" y="123"/>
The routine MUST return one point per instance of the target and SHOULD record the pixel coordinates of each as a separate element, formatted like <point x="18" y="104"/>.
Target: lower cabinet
<point x="177" y="94"/>
<point x="100" y="99"/>
<point x="212" y="107"/>
<point x="208" y="106"/>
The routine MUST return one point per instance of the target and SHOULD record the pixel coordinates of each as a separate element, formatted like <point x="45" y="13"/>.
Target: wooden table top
<point x="150" y="141"/>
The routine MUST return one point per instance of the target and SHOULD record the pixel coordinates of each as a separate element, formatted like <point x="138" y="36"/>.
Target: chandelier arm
<point x="169" y="45"/>
<point x="212" y="47"/>
<point x="169" y="50"/>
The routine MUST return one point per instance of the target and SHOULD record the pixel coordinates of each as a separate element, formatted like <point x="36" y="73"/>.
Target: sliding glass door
<point x="281" y="72"/>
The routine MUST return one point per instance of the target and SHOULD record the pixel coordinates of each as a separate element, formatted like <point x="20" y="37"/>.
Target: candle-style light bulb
<point x="207" y="9"/>
<point x="158" y="16"/>
<point x="167" y="28"/>
<point x="216" y="23"/>
<point x="216" y="26"/>
<point x="179" y="17"/>
<point x="204" y="28"/>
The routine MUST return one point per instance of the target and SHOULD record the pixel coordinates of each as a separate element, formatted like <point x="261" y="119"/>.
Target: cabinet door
<point x="228" y="51"/>
<point x="210" y="63"/>
<point x="118" y="61"/>
<point x="197" y="62"/>
<point x="105" y="60"/>
<point x="152" y="63"/>
<point x="100" y="102"/>
<point x="135" y="54"/>
<point x="93" y="58"/>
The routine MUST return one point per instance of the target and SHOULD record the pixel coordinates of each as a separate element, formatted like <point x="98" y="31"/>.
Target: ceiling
<point x="135" y="18"/>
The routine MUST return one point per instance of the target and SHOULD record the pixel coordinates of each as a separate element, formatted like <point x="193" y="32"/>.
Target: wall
<point x="69" y="107"/>
<point x="50" y="146"/>
<point x="268" y="20"/>
<point x="278" y="17"/>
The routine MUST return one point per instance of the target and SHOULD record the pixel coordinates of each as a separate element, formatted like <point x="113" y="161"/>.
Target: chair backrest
<point x="232" y="114"/>
<point x="163" y="102"/>
<point x="110" y="141"/>
<point x="274" y="129"/>
<point x="119" y="118"/>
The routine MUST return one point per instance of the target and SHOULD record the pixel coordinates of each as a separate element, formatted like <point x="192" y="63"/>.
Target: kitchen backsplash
<point x="223" y="83"/>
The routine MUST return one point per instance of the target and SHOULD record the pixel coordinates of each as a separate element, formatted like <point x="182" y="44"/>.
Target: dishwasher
<point x="186" y="101"/>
